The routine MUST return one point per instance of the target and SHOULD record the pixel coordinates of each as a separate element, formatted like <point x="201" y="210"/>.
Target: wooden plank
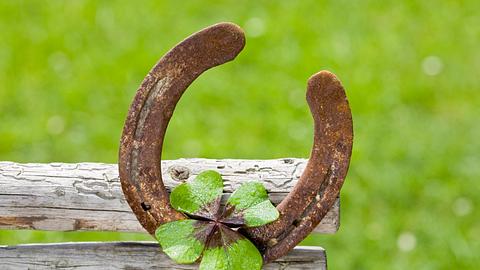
<point x="127" y="255"/>
<point x="88" y="196"/>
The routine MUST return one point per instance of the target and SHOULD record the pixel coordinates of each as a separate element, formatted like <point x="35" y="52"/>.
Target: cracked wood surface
<point x="88" y="196"/>
<point x="128" y="255"/>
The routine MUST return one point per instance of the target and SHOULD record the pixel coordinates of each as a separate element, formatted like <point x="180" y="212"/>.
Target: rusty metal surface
<point x="323" y="177"/>
<point x="152" y="108"/>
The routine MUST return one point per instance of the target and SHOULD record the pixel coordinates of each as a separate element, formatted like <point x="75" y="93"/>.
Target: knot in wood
<point x="179" y="173"/>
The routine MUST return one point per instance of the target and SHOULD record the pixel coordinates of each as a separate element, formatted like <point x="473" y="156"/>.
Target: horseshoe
<point x="153" y="106"/>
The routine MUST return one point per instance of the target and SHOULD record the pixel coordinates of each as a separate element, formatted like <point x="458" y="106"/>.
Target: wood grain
<point x="88" y="196"/>
<point x="128" y="256"/>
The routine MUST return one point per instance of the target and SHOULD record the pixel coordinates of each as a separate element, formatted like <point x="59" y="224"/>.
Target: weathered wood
<point x="88" y="196"/>
<point x="127" y="255"/>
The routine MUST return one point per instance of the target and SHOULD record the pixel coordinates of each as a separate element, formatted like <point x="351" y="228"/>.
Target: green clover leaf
<point x="183" y="240"/>
<point x="208" y="234"/>
<point x="200" y="197"/>
<point x="250" y="205"/>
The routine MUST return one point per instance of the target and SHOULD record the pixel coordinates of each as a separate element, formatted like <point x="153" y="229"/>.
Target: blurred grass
<point x="69" y="70"/>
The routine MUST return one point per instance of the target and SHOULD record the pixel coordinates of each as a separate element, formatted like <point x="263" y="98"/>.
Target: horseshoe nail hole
<point x="341" y="146"/>
<point x="145" y="206"/>
<point x="296" y="222"/>
<point x="221" y="167"/>
<point x="179" y="173"/>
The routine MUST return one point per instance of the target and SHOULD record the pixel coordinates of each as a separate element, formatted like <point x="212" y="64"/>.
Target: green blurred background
<point x="69" y="70"/>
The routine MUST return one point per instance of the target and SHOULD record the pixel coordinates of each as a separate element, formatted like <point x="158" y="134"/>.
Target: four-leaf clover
<point x="211" y="233"/>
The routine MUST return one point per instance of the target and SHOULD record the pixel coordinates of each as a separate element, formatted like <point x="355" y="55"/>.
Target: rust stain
<point x="22" y="222"/>
<point x="82" y="224"/>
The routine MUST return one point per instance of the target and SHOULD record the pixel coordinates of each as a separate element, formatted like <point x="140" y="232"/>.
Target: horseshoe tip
<point x="324" y="84"/>
<point x="323" y="76"/>
<point x="231" y="27"/>
<point x="225" y="37"/>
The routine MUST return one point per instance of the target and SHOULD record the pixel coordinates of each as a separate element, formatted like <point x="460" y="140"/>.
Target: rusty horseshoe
<point x="153" y="106"/>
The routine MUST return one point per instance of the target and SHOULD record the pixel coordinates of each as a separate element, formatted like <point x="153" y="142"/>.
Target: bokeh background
<point x="69" y="70"/>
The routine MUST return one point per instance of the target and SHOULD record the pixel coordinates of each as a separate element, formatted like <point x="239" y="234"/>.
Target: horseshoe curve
<point x="153" y="106"/>
<point x="323" y="177"/>
<point x="151" y="110"/>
